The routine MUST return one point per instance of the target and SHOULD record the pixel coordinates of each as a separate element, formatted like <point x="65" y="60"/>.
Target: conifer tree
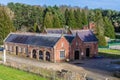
<point x="99" y="28"/>
<point x="70" y="19"/>
<point x="48" y="20"/>
<point x="109" y="29"/>
<point x="56" y="21"/>
<point x="78" y="19"/>
<point x="84" y="18"/>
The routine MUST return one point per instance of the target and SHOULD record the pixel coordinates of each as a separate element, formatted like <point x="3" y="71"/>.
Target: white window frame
<point x="64" y="54"/>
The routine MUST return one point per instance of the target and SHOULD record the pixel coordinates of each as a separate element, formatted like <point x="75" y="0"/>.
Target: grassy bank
<point x="109" y="53"/>
<point x="7" y="73"/>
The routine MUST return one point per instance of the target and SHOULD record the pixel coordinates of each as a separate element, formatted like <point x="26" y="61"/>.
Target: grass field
<point x="110" y="53"/>
<point x="7" y="73"/>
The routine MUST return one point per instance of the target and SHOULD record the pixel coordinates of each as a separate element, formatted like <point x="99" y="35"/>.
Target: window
<point x="62" y="54"/>
<point x="76" y="43"/>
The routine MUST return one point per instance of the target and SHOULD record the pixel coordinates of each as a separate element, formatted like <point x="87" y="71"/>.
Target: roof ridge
<point x="38" y="34"/>
<point x="54" y="28"/>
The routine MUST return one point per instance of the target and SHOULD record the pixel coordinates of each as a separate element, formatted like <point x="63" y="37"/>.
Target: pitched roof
<point x="69" y="38"/>
<point x="44" y="40"/>
<point x="87" y="36"/>
<point x="56" y="31"/>
<point x="74" y="32"/>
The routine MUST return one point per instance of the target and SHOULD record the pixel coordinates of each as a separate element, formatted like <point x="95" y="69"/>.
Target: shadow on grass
<point x="108" y="55"/>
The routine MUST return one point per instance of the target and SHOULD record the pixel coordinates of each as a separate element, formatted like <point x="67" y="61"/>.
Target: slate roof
<point x="56" y="31"/>
<point x="74" y="32"/>
<point x="46" y="40"/>
<point x="69" y="38"/>
<point x="87" y="36"/>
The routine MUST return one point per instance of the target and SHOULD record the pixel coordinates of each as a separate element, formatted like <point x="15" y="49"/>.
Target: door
<point x="76" y="55"/>
<point x="16" y="50"/>
<point x="87" y="52"/>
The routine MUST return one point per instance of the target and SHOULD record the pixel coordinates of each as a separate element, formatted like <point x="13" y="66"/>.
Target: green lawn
<point x="110" y="53"/>
<point x="7" y="73"/>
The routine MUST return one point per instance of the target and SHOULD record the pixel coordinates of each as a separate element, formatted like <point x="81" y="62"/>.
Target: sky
<point x="92" y="4"/>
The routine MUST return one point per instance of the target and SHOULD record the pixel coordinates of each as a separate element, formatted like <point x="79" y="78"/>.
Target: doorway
<point x="87" y="52"/>
<point x="47" y="56"/>
<point x="40" y="55"/>
<point x="16" y="50"/>
<point x="34" y="53"/>
<point x="76" y="55"/>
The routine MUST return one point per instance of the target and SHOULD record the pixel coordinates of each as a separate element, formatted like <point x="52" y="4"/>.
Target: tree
<point x="48" y="20"/>
<point x="56" y="22"/>
<point x="99" y="31"/>
<point x="70" y="18"/>
<point x="36" y="28"/>
<point x="109" y="29"/>
<point x="6" y="25"/>
<point x="78" y="19"/>
<point x="26" y="15"/>
<point x="84" y="18"/>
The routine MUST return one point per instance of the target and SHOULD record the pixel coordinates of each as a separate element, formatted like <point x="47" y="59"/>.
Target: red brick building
<point x="84" y="45"/>
<point x="52" y="47"/>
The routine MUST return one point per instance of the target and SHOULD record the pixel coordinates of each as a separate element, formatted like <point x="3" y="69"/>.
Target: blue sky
<point x="104" y="4"/>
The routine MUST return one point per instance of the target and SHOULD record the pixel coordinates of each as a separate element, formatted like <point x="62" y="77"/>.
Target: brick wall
<point x="62" y="45"/>
<point x="79" y="45"/>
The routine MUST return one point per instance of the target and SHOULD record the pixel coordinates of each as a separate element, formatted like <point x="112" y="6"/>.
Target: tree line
<point x="35" y="18"/>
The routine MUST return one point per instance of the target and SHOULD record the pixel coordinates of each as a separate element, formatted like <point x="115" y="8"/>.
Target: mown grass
<point x="7" y="73"/>
<point x="109" y="53"/>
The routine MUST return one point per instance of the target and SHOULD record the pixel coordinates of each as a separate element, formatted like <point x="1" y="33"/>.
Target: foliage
<point x="70" y="18"/>
<point x="84" y="18"/>
<point x="6" y="25"/>
<point x="114" y="16"/>
<point x="109" y="29"/>
<point x="7" y="73"/>
<point x="48" y="20"/>
<point x="78" y="19"/>
<point x="36" y="28"/>
<point x="100" y="29"/>
<point x="36" y="18"/>
<point x="26" y="15"/>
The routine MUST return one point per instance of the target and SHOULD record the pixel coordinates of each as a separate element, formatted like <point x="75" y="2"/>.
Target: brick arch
<point x="48" y="55"/>
<point x="34" y="53"/>
<point x="47" y="50"/>
<point x="41" y="54"/>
